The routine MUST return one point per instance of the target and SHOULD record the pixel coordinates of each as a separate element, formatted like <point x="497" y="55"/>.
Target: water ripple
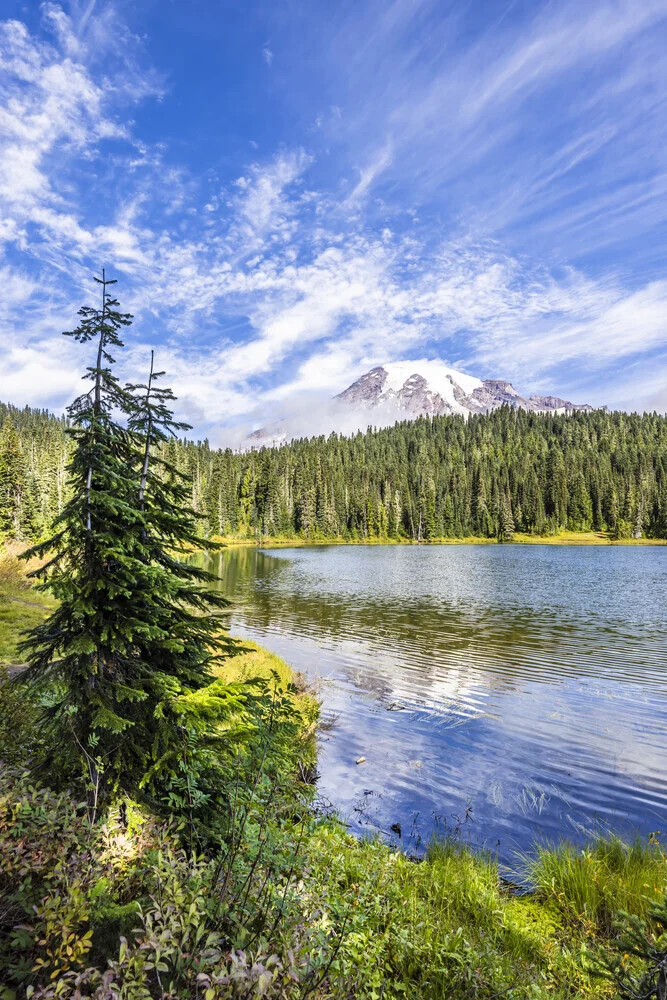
<point x="506" y="692"/>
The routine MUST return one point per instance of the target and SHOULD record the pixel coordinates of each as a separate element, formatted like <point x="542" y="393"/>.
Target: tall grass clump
<point x="595" y="882"/>
<point x="444" y="928"/>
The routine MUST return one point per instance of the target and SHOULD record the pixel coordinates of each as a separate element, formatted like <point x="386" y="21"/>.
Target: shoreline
<point x="564" y="538"/>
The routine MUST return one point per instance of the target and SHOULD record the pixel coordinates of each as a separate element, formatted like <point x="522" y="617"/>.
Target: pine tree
<point x="506" y="520"/>
<point x="636" y="959"/>
<point x="130" y="637"/>
<point x="92" y="570"/>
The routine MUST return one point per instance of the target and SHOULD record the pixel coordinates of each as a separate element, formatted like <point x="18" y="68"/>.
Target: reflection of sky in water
<point x="529" y="683"/>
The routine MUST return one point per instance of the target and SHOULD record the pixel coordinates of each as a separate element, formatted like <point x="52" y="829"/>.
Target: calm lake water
<point x="509" y="692"/>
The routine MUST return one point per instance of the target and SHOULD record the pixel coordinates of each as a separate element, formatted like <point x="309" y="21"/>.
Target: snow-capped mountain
<point x="404" y="390"/>
<point x="430" y="388"/>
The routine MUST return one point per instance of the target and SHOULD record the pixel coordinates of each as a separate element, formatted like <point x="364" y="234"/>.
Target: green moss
<point x="253" y="662"/>
<point x="535" y="917"/>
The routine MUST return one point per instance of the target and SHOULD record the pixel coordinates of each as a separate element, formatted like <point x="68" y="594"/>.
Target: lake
<point x="502" y="693"/>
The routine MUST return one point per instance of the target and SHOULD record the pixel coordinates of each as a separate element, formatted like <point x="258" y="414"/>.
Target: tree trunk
<point x="149" y="427"/>
<point x="98" y="393"/>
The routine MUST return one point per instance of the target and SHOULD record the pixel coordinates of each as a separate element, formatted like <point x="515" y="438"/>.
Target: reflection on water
<point x="521" y="687"/>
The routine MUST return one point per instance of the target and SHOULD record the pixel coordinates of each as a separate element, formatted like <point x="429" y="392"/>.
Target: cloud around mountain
<point x="400" y="390"/>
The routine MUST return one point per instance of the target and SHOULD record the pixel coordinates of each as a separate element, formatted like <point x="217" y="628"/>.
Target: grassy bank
<point x="253" y="663"/>
<point x="562" y="538"/>
<point x="98" y="909"/>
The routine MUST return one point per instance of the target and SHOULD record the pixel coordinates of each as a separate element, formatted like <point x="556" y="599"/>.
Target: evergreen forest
<point x="490" y="476"/>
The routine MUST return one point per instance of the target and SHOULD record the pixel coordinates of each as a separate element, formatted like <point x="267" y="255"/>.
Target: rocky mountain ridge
<point x="433" y="389"/>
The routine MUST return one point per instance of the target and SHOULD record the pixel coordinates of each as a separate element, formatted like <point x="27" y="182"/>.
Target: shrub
<point x="12" y="572"/>
<point x="636" y="962"/>
<point x="120" y="907"/>
<point x="62" y="878"/>
<point x="17" y="723"/>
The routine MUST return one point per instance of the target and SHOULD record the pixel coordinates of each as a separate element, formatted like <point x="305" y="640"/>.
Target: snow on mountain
<point x="404" y="390"/>
<point x="419" y="388"/>
<point x="430" y="388"/>
<point x="440" y="378"/>
<point x="437" y="374"/>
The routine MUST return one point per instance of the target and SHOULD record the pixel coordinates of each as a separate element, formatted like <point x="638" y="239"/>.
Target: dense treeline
<point x="34" y="451"/>
<point x="442" y="477"/>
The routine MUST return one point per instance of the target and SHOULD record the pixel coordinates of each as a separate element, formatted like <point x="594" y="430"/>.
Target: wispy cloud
<point x="369" y="173"/>
<point x="49" y="103"/>
<point x="262" y="203"/>
<point x="541" y="114"/>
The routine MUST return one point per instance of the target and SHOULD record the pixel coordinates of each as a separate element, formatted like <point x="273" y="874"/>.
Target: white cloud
<point x="47" y="103"/>
<point x="557" y="40"/>
<point x="263" y="205"/>
<point x="34" y="376"/>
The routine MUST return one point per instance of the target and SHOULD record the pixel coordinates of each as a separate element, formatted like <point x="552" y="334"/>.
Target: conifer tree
<point x="169" y="527"/>
<point x="636" y="960"/>
<point x="92" y="568"/>
<point x="130" y="635"/>
<point x="506" y="520"/>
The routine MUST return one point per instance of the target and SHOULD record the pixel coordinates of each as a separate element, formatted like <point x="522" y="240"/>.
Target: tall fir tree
<point x="131" y="636"/>
<point x="506" y="519"/>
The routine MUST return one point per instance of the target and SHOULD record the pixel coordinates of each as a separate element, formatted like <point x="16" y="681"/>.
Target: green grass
<point x="448" y="927"/>
<point x="595" y="882"/>
<point x="444" y="928"/>
<point x="21" y="606"/>
<point x="582" y="538"/>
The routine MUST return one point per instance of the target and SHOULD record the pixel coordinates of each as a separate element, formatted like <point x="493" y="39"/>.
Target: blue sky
<point x="290" y="193"/>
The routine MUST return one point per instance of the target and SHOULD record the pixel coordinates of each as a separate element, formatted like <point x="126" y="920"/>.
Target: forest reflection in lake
<point x="516" y="692"/>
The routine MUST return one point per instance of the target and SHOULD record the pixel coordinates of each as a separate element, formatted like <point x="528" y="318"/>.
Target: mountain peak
<point x="431" y="388"/>
<point x="418" y="387"/>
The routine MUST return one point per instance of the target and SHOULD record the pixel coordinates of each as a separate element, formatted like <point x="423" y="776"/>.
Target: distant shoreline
<point x="563" y="538"/>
